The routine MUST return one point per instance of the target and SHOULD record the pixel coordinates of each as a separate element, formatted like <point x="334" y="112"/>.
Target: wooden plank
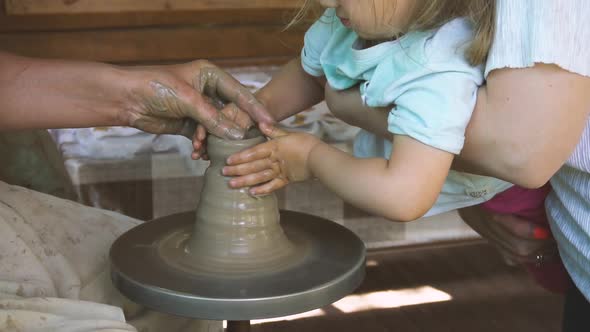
<point x="257" y="61"/>
<point x="279" y="17"/>
<point x="32" y="7"/>
<point x="157" y="44"/>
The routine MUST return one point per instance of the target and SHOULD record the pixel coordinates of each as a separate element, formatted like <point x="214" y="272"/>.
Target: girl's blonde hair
<point x="430" y="14"/>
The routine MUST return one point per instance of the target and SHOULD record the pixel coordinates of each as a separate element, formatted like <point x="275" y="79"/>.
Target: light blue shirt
<point x="426" y="80"/>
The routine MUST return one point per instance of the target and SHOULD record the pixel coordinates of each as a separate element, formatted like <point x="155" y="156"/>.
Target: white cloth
<point x="54" y="270"/>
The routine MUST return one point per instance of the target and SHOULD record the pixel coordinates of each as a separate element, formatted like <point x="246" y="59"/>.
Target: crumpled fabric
<point x="54" y="269"/>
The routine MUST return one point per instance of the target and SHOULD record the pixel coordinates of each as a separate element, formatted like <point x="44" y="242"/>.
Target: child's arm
<point x="402" y="189"/>
<point x="291" y="91"/>
<point x="347" y="105"/>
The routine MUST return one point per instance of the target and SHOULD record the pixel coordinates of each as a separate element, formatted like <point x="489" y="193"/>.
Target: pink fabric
<point x="529" y="204"/>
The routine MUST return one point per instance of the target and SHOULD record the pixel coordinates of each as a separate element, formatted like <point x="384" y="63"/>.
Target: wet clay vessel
<point x="237" y="257"/>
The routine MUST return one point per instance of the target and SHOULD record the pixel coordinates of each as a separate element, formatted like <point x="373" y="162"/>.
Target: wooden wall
<point x="230" y="32"/>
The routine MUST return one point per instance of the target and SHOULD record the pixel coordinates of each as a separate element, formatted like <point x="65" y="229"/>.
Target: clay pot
<point x="235" y="232"/>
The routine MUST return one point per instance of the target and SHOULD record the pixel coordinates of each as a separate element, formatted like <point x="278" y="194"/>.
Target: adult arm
<point x="526" y="124"/>
<point x="38" y="93"/>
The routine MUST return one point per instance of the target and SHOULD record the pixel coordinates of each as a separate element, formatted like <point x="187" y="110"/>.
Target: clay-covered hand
<point x="173" y="99"/>
<point x="518" y="240"/>
<point x="272" y="165"/>
<point x="231" y="112"/>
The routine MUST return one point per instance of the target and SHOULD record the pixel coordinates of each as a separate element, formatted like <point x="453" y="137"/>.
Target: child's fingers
<point x="252" y="179"/>
<point x="196" y="155"/>
<point x="248" y="168"/>
<point x="522" y="227"/>
<point x="201" y="133"/>
<point x="261" y="151"/>
<point x="199" y="137"/>
<point x="199" y="154"/>
<point x="198" y="145"/>
<point x="269" y="187"/>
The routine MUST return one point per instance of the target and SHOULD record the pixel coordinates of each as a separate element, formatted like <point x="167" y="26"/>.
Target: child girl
<point x="419" y="59"/>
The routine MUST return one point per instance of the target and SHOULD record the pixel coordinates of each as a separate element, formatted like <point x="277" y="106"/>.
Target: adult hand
<point x="230" y="112"/>
<point x="173" y="99"/>
<point x="518" y="240"/>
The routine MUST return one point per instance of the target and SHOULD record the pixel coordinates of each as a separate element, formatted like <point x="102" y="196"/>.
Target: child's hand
<point x="274" y="164"/>
<point x="230" y="112"/>
<point x="200" y="144"/>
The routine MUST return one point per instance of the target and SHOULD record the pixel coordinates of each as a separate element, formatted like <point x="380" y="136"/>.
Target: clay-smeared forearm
<point x="51" y="93"/>
<point x="39" y="93"/>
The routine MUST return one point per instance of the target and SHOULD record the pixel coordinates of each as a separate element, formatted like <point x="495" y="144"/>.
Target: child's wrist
<point x="313" y="155"/>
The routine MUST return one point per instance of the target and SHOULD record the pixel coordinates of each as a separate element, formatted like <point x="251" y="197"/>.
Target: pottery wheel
<point x="153" y="265"/>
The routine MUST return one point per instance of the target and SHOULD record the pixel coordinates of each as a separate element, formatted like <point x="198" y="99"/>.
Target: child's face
<point x="372" y="20"/>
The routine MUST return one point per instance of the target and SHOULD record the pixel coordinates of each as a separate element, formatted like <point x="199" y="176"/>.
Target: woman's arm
<point x="526" y="124"/>
<point x="37" y="93"/>
<point x="49" y="93"/>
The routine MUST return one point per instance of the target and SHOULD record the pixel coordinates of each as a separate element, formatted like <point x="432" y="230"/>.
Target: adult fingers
<point x="216" y="82"/>
<point x="272" y="131"/>
<point x="511" y="245"/>
<point x="215" y="122"/>
<point x="239" y="117"/>
<point x="522" y="227"/>
<point x="539" y="255"/>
